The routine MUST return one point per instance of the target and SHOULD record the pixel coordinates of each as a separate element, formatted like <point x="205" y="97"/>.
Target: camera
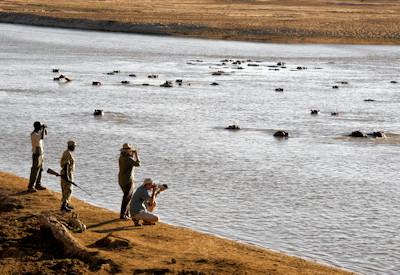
<point x="43" y="126"/>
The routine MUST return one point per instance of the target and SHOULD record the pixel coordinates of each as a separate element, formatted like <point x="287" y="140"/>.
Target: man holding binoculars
<point x="37" y="136"/>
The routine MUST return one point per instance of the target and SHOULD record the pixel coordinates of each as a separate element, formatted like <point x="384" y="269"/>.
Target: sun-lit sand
<point x="24" y="247"/>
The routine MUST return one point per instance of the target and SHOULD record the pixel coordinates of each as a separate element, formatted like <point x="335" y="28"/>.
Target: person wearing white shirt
<point x="37" y="136"/>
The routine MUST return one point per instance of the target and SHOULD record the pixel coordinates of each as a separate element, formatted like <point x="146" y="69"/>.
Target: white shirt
<point x="37" y="142"/>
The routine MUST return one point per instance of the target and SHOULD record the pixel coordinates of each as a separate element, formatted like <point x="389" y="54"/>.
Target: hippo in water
<point x="358" y="134"/>
<point x="281" y="133"/>
<point x="314" y="112"/>
<point x="279" y="90"/>
<point x="61" y="77"/>
<point x="377" y="134"/>
<point x="166" y="84"/>
<point x="98" y="112"/>
<point x="96" y="83"/>
<point x="232" y="127"/>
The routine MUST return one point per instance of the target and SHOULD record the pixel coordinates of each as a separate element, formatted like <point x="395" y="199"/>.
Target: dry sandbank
<point x="300" y="21"/>
<point x="160" y="248"/>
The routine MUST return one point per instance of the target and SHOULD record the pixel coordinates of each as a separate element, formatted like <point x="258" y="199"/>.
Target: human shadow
<point x="103" y="223"/>
<point x="121" y="228"/>
<point x="24" y="192"/>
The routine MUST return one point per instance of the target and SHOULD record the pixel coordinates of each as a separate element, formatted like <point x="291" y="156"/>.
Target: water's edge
<point x="199" y="231"/>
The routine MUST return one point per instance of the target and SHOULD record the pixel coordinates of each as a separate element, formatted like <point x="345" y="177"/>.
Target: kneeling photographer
<point x="143" y="203"/>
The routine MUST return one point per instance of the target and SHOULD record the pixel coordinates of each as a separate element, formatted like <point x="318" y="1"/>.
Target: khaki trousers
<point x="66" y="189"/>
<point x="145" y="216"/>
<point x="126" y="199"/>
<point x="36" y="170"/>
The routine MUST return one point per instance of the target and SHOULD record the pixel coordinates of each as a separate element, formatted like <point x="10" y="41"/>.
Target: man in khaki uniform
<point x="67" y="175"/>
<point x="37" y="136"/>
<point x="126" y="177"/>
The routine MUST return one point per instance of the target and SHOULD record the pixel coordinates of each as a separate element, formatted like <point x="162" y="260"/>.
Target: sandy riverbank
<point x="159" y="249"/>
<point x="292" y="21"/>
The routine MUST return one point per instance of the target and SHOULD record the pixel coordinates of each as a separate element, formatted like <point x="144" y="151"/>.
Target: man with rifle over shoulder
<point x="37" y="136"/>
<point x="67" y="175"/>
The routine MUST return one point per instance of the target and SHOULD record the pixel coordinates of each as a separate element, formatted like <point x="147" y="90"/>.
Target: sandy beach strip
<point x="168" y="249"/>
<point x="292" y="21"/>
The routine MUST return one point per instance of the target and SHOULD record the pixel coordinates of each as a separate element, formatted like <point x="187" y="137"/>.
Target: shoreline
<point x="165" y="247"/>
<point x="177" y="29"/>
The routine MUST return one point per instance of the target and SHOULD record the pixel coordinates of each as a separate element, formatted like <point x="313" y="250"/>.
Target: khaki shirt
<point x="68" y="165"/>
<point x="126" y="171"/>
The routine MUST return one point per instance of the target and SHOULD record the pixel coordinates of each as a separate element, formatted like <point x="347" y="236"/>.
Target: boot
<point x="31" y="190"/>
<point x="65" y="208"/>
<point x="40" y="187"/>
<point x="70" y="206"/>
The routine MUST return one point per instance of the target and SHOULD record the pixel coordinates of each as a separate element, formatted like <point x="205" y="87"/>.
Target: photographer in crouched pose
<point x="140" y="198"/>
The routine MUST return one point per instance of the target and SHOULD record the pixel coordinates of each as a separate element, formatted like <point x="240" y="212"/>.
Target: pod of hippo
<point x="232" y="127"/>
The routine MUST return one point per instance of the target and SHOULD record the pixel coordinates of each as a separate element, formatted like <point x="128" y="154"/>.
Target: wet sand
<point x="292" y="21"/>
<point x="162" y="248"/>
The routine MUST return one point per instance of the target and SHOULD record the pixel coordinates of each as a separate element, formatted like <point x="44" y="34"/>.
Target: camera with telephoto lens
<point x="43" y="126"/>
<point x="160" y="187"/>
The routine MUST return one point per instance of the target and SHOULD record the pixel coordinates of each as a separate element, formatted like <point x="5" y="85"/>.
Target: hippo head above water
<point x="98" y="112"/>
<point x="357" y="134"/>
<point x="281" y="133"/>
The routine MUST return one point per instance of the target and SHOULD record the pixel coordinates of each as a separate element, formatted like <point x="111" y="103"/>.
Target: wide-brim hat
<point x="127" y="147"/>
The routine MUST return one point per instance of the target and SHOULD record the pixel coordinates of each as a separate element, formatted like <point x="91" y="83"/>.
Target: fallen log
<point x="70" y="246"/>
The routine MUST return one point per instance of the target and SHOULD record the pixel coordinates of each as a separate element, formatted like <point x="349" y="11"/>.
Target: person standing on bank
<point x="126" y="178"/>
<point x="67" y="175"/>
<point x="37" y="136"/>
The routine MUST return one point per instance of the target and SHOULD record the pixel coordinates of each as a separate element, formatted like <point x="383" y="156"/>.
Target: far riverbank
<point x="339" y="22"/>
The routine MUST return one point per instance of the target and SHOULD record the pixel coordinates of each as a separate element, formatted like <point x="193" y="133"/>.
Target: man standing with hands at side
<point x="126" y="178"/>
<point x="37" y="136"/>
<point x="67" y="175"/>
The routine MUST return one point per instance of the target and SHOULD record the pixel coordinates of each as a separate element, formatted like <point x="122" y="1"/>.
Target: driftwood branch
<point x="71" y="247"/>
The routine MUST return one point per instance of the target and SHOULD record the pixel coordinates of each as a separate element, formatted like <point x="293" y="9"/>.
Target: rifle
<point x="52" y="172"/>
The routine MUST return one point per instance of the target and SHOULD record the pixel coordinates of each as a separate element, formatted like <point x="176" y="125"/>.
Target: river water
<point x="317" y="194"/>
